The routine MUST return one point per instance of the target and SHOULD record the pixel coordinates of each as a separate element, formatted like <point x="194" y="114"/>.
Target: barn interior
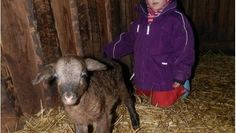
<point x="37" y="32"/>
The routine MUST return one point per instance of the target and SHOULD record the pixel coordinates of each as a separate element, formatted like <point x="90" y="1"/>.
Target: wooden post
<point x="67" y="25"/>
<point x="75" y="27"/>
<point x="50" y="45"/>
<point x="116" y="18"/>
<point x="47" y="31"/>
<point x="104" y="10"/>
<point x="21" y="48"/>
<point x="85" y="27"/>
<point x="96" y="37"/>
<point x="10" y="108"/>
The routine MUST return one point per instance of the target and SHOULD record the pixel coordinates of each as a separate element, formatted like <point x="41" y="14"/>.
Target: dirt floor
<point x="209" y="108"/>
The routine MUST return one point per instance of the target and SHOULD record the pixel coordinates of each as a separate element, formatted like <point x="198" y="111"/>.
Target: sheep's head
<point x="71" y="75"/>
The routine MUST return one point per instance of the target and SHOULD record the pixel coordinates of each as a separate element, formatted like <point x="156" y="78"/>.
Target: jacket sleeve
<point x="183" y="43"/>
<point x="121" y="46"/>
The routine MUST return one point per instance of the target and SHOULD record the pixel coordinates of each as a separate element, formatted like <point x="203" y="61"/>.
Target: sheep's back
<point x="107" y="82"/>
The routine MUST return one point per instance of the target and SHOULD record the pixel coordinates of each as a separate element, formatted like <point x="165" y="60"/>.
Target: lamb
<point x="89" y="90"/>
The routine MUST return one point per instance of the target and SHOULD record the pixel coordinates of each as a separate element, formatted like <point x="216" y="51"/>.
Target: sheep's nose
<point x="68" y="96"/>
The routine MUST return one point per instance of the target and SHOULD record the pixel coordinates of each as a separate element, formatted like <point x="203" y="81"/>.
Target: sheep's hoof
<point x="135" y="124"/>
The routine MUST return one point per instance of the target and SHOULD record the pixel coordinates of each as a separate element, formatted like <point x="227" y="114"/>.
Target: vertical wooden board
<point x="199" y="13"/>
<point x="75" y="27"/>
<point x="190" y="11"/>
<point x="127" y="13"/>
<point x="95" y="28"/>
<point x="222" y="12"/>
<point x="195" y="9"/>
<point x="85" y="26"/>
<point x="21" y="48"/>
<point x="214" y="20"/>
<point x="185" y="3"/>
<point x="104" y="21"/>
<point x="229" y="29"/>
<point x="211" y="16"/>
<point x="123" y="15"/>
<point x="205" y="18"/>
<point x="103" y="10"/>
<point x="47" y="32"/>
<point x="50" y="45"/>
<point x="10" y="108"/>
<point x="115" y="18"/>
<point x="231" y="22"/>
<point x="63" y="22"/>
<point x="133" y="9"/>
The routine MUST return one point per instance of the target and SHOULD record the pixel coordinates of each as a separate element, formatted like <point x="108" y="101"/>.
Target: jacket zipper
<point x="148" y="29"/>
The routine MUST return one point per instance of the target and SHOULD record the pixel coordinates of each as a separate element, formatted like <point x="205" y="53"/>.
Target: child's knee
<point x="166" y="99"/>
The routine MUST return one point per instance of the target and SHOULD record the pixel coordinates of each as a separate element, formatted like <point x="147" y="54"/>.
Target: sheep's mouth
<point x="71" y="99"/>
<point x="69" y="103"/>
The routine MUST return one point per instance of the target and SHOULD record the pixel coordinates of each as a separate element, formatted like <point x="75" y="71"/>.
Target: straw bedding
<point x="209" y="108"/>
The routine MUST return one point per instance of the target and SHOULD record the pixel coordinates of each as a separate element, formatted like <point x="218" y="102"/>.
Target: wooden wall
<point x="38" y="32"/>
<point x="214" y="20"/>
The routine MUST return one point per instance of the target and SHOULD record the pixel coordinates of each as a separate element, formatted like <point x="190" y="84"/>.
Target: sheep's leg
<point x="81" y="128"/>
<point x="128" y="100"/>
<point x="103" y="124"/>
<point x="129" y="103"/>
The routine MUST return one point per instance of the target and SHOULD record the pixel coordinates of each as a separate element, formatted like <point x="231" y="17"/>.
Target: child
<point x="162" y="43"/>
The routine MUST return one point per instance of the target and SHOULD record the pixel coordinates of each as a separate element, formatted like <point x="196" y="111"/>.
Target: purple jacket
<point x="163" y="51"/>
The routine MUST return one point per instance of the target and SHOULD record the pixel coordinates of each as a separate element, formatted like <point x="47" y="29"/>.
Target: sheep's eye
<point x="84" y="75"/>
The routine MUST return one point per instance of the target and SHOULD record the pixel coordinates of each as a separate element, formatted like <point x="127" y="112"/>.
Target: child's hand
<point x="176" y="85"/>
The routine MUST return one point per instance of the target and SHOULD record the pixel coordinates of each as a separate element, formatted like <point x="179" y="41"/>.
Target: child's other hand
<point x="176" y="85"/>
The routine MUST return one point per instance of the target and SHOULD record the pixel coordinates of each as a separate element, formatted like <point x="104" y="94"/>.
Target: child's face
<point x="156" y="4"/>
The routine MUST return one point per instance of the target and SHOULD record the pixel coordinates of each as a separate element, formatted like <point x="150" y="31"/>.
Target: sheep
<point x="89" y="89"/>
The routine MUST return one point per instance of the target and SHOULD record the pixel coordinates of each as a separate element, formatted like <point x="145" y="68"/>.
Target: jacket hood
<point x="142" y="7"/>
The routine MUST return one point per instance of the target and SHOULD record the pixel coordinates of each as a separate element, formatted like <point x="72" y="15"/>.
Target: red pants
<point x="162" y="98"/>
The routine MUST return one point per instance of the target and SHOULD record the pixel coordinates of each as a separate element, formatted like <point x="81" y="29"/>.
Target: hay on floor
<point x="210" y="107"/>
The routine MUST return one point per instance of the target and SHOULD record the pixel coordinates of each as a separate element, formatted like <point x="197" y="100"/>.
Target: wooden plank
<point x="10" y="108"/>
<point x="123" y="15"/>
<point x="22" y="50"/>
<point x="222" y="12"/>
<point x="75" y="27"/>
<point x="67" y="26"/>
<point x="103" y="10"/>
<point x="47" y="31"/>
<point x="115" y="19"/>
<point x="85" y="27"/>
<point x="96" y="37"/>
<point x="231" y="21"/>
<point x="50" y="45"/>
<point x="133" y="6"/>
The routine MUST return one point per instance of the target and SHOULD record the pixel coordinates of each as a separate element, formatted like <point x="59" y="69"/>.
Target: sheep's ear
<point x="47" y="72"/>
<point x="94" y="65"/>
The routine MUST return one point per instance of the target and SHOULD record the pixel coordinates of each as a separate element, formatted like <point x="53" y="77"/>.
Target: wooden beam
<point x="96" y="36"/>
<point x="75" y="27"/>
<point x="104" y="10"/>
<point x="47" y="31"/>
<point x="67" y="25"/>
<point x="21" y="48"/>
<point x="85" y="27"/>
